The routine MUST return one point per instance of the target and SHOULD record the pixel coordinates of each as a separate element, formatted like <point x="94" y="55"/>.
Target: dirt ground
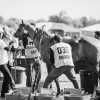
<point x="63" y="81"/>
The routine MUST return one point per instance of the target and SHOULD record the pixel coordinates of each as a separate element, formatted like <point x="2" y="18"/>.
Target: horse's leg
<point x="49" y="68"/>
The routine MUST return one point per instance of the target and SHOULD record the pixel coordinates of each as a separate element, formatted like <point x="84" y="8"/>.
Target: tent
<point x="51" y="26"/>
<point x="90" y="30"/>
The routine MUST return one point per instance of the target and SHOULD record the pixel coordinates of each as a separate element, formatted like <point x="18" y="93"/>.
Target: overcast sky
<point x="37" y="9"/>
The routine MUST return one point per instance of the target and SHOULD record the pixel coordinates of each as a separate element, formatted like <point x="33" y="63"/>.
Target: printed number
<point x="33" y="51"/>
<point x="62" y="50"/>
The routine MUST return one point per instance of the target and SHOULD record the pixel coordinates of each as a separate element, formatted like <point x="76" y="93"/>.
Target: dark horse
<point x="87" y="48"/>
<point x="36" y="35"/>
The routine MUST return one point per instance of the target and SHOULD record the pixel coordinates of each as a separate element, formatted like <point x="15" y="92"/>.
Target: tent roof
<point x="57" y="26"/>
<point x="95" y="27"/>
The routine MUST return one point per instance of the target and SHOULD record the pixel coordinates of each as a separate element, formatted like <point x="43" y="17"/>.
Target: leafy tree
<point x="84" y="21"/>
<point x="61" y="18"/>
<point x="77" y="23"/>
<point x="92" y="21"/>
<point x="12" y="23"/>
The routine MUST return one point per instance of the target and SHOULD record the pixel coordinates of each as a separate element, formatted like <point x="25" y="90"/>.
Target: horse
<point x="36" y="34"/>
<point x="87" y="48"/>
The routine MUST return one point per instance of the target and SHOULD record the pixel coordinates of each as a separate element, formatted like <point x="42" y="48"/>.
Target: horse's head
<point x="25" y="30"/>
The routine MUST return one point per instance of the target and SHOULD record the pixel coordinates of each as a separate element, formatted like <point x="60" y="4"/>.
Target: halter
<point x="36" y="31"/>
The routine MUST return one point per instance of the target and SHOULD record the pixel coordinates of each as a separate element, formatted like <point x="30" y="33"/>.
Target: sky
<point x="42" y="9"/>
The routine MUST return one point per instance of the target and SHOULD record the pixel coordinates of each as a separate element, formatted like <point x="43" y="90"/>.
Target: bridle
<point x="37" y="30"/>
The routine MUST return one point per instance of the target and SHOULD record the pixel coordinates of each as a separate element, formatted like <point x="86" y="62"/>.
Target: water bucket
<point x="24" y="90"/>
<point x="40" y="86"/>
<point x="18" y="74"/>
<point x="77" y="97"/>
<point x="45" y="97"/>
<point x="86" y="81"/>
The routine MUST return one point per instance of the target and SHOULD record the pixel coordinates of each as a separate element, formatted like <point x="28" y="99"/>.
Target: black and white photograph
<point x="49" y="49"/>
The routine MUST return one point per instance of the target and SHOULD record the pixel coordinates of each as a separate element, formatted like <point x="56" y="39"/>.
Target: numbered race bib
<point x="31" y="51"/>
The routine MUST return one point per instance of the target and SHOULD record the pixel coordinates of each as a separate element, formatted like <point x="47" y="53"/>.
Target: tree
<point x="41" y="20"/>
<point x="84" y="21"/>
<point x="92" y="21"/>
<point x="12" y="23"/>
<point x="61" y="17"/>
<point x="77" y="23"/>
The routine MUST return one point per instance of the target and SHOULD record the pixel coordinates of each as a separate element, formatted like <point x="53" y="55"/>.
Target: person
<point x="61" y="57"/>
<point x="32" y="61"/>
<point x="97" y="34"/>
<point x="8" y="82"/>
<point x="9" y="41"/>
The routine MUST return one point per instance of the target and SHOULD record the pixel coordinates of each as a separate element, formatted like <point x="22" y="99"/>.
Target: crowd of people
<point x="7" y="52"/>
<point x="60" y="57"/>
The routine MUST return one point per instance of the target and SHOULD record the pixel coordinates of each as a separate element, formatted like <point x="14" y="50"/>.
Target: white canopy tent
<point x="90" y="30"/>
<point x="51" y="26"/>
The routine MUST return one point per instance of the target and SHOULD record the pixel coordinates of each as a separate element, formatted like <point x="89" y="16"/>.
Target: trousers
<point x="37" y="67"/>
<point x="8" y="80"/>
<point x="56" y="72"/>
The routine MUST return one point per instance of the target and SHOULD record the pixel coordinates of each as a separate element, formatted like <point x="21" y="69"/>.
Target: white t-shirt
<point x="62" y="54"/>
<point x="3" y="53"/>
<point x="10" y="54"/>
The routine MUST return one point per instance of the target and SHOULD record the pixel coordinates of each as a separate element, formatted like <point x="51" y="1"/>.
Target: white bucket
<point x="46" y="91"/>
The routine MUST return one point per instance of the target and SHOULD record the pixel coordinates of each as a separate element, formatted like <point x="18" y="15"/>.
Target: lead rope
<point x="41" y="42"/>
<point x="40" y="45"/>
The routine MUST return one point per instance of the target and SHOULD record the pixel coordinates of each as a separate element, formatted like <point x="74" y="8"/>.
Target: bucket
<point x="46" y="91"/>
<point x="73" y="91"/>
<point x="40" y="86"/>
<point x="24" y="90"/>
<point x="16" y="95"/>
<point x="45" y="97"/>
<point x="77" y="97"/>
<point x="18" y="74"/>
<point x="86" y="81"/>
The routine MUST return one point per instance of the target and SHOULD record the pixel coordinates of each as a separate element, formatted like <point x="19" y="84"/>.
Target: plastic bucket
<point x="18" y="74"/>
<point x="86" y="81"/>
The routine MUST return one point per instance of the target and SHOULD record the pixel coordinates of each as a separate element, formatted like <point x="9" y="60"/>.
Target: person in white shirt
<point x="32" y="61"/>
<point x="9" y="41"/>
<point x="61" y="57"/>
<point x="8" y="79"/>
